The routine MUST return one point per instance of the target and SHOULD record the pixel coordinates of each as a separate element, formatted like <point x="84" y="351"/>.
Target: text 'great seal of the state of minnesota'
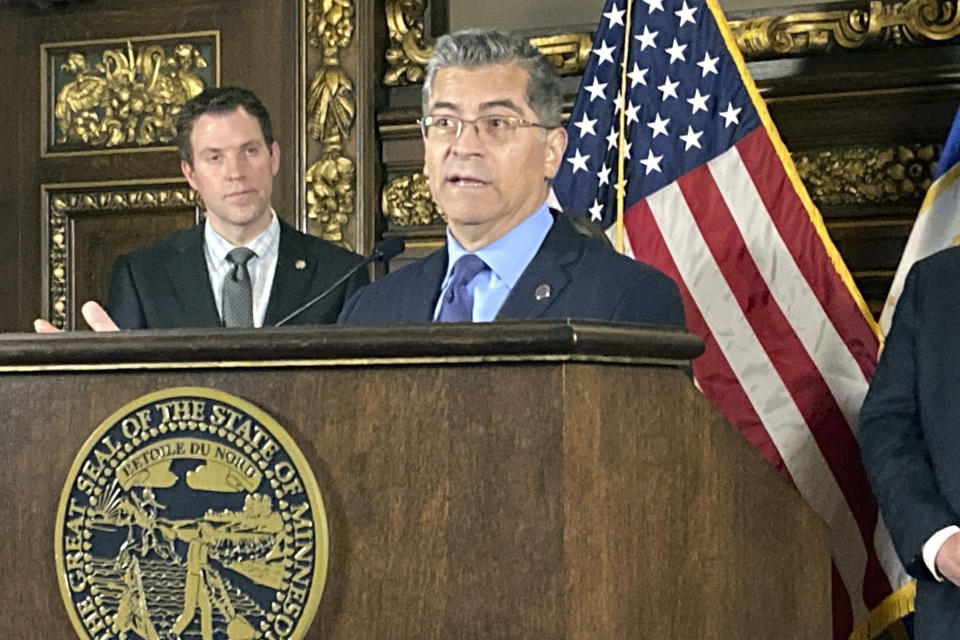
<point x="190" y="513"/>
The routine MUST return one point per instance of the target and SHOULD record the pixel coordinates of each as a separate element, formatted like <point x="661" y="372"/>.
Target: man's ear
<point x="275" y="157"/>
<point x="187" y="171"/>
<point x="556" y="145"/>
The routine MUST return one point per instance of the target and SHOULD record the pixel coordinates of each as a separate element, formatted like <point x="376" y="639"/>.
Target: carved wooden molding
<point x="868" y="175"/>
<point x="62" y="202"/>
<point x="331" y="110"/>
<point x="881" y="25"/>
<point x="891" y="25"/>
<point x="406" y="55"/>
<point x="406" y="202"/>
<point x="105" y="96"/>
<point x="568" y="52"/>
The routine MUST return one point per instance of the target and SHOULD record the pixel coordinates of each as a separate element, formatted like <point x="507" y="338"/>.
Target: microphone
<point x="383" y="252"/>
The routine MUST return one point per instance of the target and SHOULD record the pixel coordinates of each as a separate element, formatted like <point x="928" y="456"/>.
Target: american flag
<point x="668" y="116"/>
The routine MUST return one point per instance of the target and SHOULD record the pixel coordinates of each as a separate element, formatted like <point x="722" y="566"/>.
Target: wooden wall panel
<point x="103" y="237"/>
<point x="10" y="174"/>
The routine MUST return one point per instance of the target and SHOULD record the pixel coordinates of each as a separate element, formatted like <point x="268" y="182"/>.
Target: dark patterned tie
<point x="237" y="292"/>
<point x="457" y="305"/>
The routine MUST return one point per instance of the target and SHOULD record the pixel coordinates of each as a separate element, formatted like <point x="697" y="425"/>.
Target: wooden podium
<point x="508" y="480"/>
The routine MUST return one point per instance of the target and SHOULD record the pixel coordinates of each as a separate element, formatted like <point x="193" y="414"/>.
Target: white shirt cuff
<point x="932" y="546"/>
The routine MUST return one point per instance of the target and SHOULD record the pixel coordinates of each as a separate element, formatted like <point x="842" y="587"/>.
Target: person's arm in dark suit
<point x="336" y="299"/>
<point x="356" y="282"/>
<point x="892" y="442"/>
<point x="651" y="299"/>
<point x="348" y="306"/>
<point x="123" y="302"/>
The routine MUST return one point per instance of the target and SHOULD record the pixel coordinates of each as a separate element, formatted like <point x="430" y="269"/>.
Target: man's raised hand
<point x="95" y="316"/>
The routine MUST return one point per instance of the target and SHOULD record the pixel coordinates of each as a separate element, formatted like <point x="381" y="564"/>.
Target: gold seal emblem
<point x="190" y="513"/>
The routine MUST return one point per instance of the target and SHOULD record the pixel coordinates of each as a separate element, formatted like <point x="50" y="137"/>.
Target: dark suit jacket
<point x="910" y="431"/>
<point x="167" y="285"/>
<point x="587" y="280"/>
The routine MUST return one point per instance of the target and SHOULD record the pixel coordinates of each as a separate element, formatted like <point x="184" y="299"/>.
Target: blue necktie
<point x="457" y="305"/>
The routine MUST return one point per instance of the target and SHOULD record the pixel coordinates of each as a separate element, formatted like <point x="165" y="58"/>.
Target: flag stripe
<point x="760" y="380"/>
<point x="713" y="373"/>
<point x="792" y="221"/>
<point x="835" y="359"/>
<point x="842" y="612"/>
<point x="799" y="374"/>
<point x="782" y="273"/>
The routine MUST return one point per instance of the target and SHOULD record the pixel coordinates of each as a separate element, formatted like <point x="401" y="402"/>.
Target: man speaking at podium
<point x="243" y="267"/>
<point x="492" y="142"/>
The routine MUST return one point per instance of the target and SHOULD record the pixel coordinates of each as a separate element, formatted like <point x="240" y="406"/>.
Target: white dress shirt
<point x="932" y="546"/>
<point x="261" y="267"/>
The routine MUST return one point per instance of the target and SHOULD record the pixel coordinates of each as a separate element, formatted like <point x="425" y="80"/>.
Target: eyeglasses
<point x="496" y="129"/>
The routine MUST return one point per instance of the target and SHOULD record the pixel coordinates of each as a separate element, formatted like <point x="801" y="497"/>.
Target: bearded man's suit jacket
<point x="167" y="284"/>
<point x="584" y="276"/>
<point x="910" y="432"/>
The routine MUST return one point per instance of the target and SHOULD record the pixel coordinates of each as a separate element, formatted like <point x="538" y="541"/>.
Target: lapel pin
<point x="300" y="265"/>
<point x="542" y="292"/>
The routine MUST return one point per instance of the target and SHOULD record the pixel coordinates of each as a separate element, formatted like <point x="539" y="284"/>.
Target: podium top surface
<point x="512" y="341"/>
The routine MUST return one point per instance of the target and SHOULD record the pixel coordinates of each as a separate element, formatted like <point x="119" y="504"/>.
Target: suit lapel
<point x="549" y="271"/>
<point x="187" y="268"/>
<point x="420" y="298"/>
<point x="290" y="285"/>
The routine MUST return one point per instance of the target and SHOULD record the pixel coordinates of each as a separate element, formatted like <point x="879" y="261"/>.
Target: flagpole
<point x="621" y="143"/>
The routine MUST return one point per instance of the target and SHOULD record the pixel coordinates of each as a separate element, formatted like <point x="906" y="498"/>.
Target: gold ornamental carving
<point x="868" y="175"/>
<point x="406" y="202"/>
<point x="407" y="55"/>
<point x="331" y="112"/>
<point x="330" y="194"/>
<point x="62" y="205"/>
<point x="568" y="53"/>
<point x="151" y="198"/>
<point x="123" y="95"/>
<point x="880" y="23"/>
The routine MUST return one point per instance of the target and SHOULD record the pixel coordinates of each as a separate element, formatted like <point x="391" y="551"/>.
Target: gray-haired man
<point x="493" y="140"/>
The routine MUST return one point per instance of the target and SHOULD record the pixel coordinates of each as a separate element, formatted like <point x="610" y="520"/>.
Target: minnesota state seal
<point x="190" y="513"/>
